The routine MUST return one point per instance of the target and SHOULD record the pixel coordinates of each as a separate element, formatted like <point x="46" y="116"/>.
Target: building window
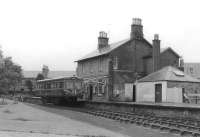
<point x="81" y="68"/>
<point x="96" y="89"/>
<point x="91" y="67"/>
<point x="100" y="89"/>
<point x="115" y="63"/>
<point x="100" y="64"/>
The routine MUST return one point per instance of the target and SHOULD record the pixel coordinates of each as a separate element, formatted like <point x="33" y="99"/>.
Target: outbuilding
<point x="168" y="84"/>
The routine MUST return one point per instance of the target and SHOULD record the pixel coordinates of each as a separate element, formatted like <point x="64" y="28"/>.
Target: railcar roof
<point x="59" y="78"/>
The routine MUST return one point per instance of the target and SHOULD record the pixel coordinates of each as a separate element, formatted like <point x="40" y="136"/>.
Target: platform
<point x="164" y="109"/>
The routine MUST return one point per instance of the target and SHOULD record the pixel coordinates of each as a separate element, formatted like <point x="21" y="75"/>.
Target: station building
<point x="109" y="70"/>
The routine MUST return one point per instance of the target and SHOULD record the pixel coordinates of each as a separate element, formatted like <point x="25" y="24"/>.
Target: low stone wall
<point x="159" y="110"/>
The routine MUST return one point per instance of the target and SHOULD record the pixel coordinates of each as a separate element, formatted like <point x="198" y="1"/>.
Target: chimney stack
<point x="45" y="71"/>
<point x="136" y="29"/>
<point x="156" y="53"/>
<point x="181" y="64"/>
<point x="102" y="40"/>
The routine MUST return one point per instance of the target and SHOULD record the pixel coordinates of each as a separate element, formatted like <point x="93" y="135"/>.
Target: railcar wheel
<point x="44" y="100"/>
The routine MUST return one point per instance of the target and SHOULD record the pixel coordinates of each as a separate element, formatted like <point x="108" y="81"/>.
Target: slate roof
<point x="169" y="73"/>
<point x="168" y="48"/>
<point x="52" y="74"/>
<point x="113" y="46"/>
<point x="104" y="51"/>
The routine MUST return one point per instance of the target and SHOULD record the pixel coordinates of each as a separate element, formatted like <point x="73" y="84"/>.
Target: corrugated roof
<point x="168" y="73"/>
<point x="52" y="74"/>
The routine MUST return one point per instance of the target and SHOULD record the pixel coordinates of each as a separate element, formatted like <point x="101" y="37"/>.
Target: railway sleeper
<point x="146" y="124"/>
<point x="139" y="122"/>
<point x="178" y="125"/>
<point x="187" y="133"/>
<point x="175" y="130"/>
<point x="124" y="120"/>
<point x="165" y="128"/>
<point x="153" y="122"/>
<point x="155" y="126"/>
<point x="196" y="134"/>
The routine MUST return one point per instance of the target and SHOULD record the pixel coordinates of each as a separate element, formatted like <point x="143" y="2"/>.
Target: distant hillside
<point x="52" y="74"/>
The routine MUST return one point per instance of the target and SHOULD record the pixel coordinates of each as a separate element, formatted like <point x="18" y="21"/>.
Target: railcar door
<point x="134" y="93"/>
<point x="158" y="93"/>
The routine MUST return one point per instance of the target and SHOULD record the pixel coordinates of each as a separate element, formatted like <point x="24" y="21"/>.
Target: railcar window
<point x="61" y="85"/>
<point x="48" y="85"/>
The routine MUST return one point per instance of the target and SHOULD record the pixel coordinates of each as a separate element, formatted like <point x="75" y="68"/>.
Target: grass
<point x="22" y="119"/>
<point x="7" y="111"/>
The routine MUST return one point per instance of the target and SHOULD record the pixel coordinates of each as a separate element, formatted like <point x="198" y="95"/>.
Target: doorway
<point x="158" y="93"/>
<point x="90" y="91"/>
<point x="134" y="93"/>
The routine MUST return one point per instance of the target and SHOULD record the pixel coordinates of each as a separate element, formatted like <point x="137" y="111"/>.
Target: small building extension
<point x="168" y="85"/>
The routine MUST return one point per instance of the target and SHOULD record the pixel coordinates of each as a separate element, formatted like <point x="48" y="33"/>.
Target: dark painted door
<point x="91" y="91"/>
<point x="158" y="92"/>
<point x="134" y="91"/>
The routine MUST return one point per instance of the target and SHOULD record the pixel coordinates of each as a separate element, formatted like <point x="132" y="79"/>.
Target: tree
<point x="10" y="74"/>
<point x="39" y="77"/>
<point x="29" y="85"/>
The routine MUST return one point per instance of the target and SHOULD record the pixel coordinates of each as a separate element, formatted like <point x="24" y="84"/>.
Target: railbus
<point x="60" y="90"/>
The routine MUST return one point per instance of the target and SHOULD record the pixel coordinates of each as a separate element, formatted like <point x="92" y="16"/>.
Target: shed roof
<point x="169" y="73"/>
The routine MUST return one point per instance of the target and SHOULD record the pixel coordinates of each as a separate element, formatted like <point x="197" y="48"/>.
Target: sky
<point x="58" y="32"/>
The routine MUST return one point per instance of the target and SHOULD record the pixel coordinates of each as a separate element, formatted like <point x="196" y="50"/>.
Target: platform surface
<point x="163" y="104"/>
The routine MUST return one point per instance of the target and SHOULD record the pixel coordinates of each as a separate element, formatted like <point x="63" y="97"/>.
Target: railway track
<point x="184" y="127"/>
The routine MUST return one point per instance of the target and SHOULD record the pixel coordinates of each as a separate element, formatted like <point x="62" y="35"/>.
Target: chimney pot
<point x="136" y="29"/>
<point x="137" y="21"/>
<point x="156" y="37"/>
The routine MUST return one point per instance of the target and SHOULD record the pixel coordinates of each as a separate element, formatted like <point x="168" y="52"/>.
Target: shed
<point x="168" y="84"/>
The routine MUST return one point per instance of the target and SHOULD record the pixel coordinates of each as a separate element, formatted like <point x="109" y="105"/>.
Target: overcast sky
<point x="57" y="32"/>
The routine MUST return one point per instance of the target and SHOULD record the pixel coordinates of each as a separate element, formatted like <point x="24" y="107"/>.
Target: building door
<point x="91" y="91"/>
<point x="128" y="91"/>
<point x="134" y="93"/>
<point x="158" y="93"/>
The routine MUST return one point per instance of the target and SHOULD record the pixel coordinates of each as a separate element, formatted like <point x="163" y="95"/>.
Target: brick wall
<point x="131" y="55"/>
<point x="130" y="61"/>
<point x="168" y="58"/>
